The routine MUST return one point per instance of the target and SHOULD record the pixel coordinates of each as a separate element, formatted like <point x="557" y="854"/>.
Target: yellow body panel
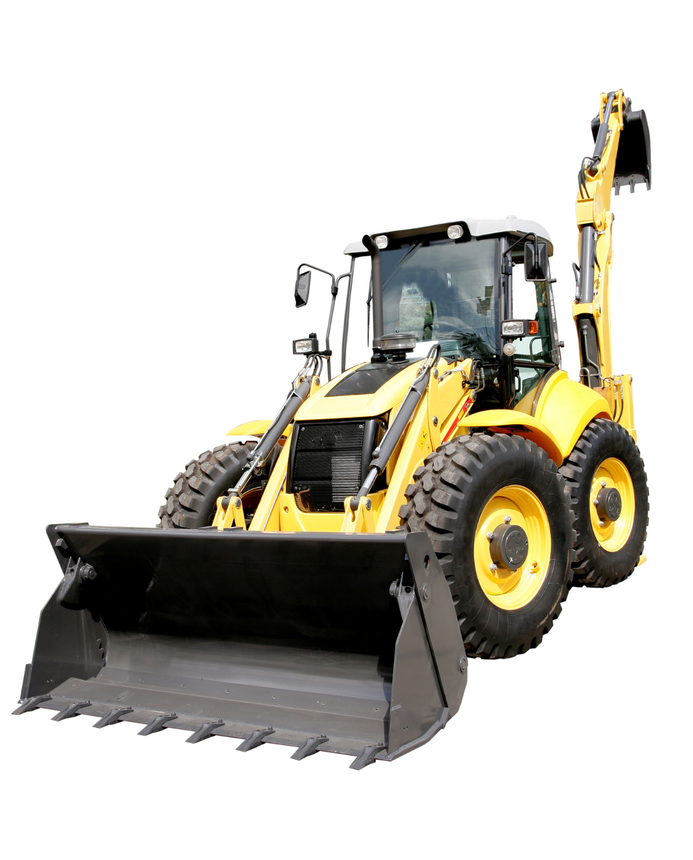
<point x="291" y="519"/>
<point x="250" y="428"/>
<point x="436" y="411"/>
<point x="266" y="517"/>
<point x="320" y="407"/>
<point x="519" y="424"/>
<point x="566" y="407"/>
<point x="563" y="409"/>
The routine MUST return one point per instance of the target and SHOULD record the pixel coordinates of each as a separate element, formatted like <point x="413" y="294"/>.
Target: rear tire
<point x="465" y="491"/>
<point x="608" y="553"/>
<point x="191" y="501"/>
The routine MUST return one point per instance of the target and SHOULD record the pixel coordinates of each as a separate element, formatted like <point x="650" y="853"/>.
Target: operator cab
<point x="453" y="284"/>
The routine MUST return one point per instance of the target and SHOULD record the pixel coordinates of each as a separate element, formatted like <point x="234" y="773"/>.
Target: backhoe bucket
<point x="323" y="642"/>
<point x="633" y="156"/>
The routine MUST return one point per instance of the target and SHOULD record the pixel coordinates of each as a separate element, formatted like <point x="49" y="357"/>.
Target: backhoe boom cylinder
<point x="587" y="240"/>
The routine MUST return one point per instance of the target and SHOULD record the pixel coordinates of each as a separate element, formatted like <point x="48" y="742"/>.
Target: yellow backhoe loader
<point x="322" y="585"/>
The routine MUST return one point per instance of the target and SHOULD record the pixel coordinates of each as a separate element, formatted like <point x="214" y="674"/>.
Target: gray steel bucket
<point x="323" y="642"/>
<point x="633" y="160"/>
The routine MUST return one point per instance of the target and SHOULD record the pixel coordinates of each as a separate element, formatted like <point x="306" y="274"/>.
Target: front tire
<point x="191" y="501"/>
<point x="479" y="486"/>
<point x="605" y="458"/>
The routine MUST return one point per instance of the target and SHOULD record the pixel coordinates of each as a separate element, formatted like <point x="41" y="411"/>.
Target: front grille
<point x="328" y="461"/>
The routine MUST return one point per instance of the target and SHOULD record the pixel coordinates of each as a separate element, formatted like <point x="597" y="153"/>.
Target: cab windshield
<point x="443" y="291"/>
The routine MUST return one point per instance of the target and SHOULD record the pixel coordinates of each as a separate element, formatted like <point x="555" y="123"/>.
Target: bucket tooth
<point x="309" y="747"/>
<point x="71" y="710"/>
<point x="255" y="740"/>
<point x="367" y="756"/>
<point x="31" y="704"/>
<point x="205" y="731"/>
<point x="157" y="724"/>
<point x="113" y="716"/>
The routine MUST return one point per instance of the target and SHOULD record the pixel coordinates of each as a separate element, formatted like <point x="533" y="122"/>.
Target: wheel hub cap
<point x="608" y="504"/>
<point x="509" y="546"/>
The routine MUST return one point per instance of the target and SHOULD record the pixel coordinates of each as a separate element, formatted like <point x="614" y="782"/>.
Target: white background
<point x="165" y="167"/>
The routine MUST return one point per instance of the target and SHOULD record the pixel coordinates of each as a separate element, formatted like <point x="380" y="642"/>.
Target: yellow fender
<point x="518" y="424"/>
<point x="562" y="411"/>
<point x="566" y="407"/>
<point x="250" y="428"/>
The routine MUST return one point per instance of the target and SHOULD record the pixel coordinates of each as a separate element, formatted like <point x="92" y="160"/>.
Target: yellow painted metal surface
<point x="513" y="589"/>
<point x="566" y="407"/>
<point x="436" y="411"/>
<point x="321" y="407"/>
<point x="519" y="424"/>
<point x="411" y="455"/>
<point x="593" y="209"/>
<point x="360" y="521"/>
<point x="251" y="428"/>
<point x="232" y="515"/>
<point x="563" y="409"/>
<point x="618" y="392"/>
<point x="267" y="514"/>
<point x="612" y="536"/>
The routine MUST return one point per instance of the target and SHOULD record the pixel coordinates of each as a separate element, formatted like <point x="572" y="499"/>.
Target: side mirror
<point x="302" y="289"/>
<point x="536" y="261"/>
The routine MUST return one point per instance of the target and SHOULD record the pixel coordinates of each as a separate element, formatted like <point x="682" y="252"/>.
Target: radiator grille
<point x="327" y="464"/>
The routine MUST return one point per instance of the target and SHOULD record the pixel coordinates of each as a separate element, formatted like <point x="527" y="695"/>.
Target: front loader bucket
<point x="323" y="642"/>
<point x="633" y="162"/>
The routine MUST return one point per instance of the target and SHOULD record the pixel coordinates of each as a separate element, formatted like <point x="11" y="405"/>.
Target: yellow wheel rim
<point x="513" y="589"/>
<point x="613" y="535"/>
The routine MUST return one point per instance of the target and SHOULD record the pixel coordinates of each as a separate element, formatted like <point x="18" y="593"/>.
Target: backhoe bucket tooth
<point x="348" y="641"/>
<point x="633" y="163"/>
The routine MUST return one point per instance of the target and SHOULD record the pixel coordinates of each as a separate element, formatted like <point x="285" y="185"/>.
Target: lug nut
<point x="489" y="535"/>
<point x="507" y="520"/>
<point x="494" y="567"/>
<point x="603" y="483"/>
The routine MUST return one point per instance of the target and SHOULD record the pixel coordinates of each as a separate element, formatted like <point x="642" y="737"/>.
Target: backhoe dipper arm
<point x="621" y="155"/>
